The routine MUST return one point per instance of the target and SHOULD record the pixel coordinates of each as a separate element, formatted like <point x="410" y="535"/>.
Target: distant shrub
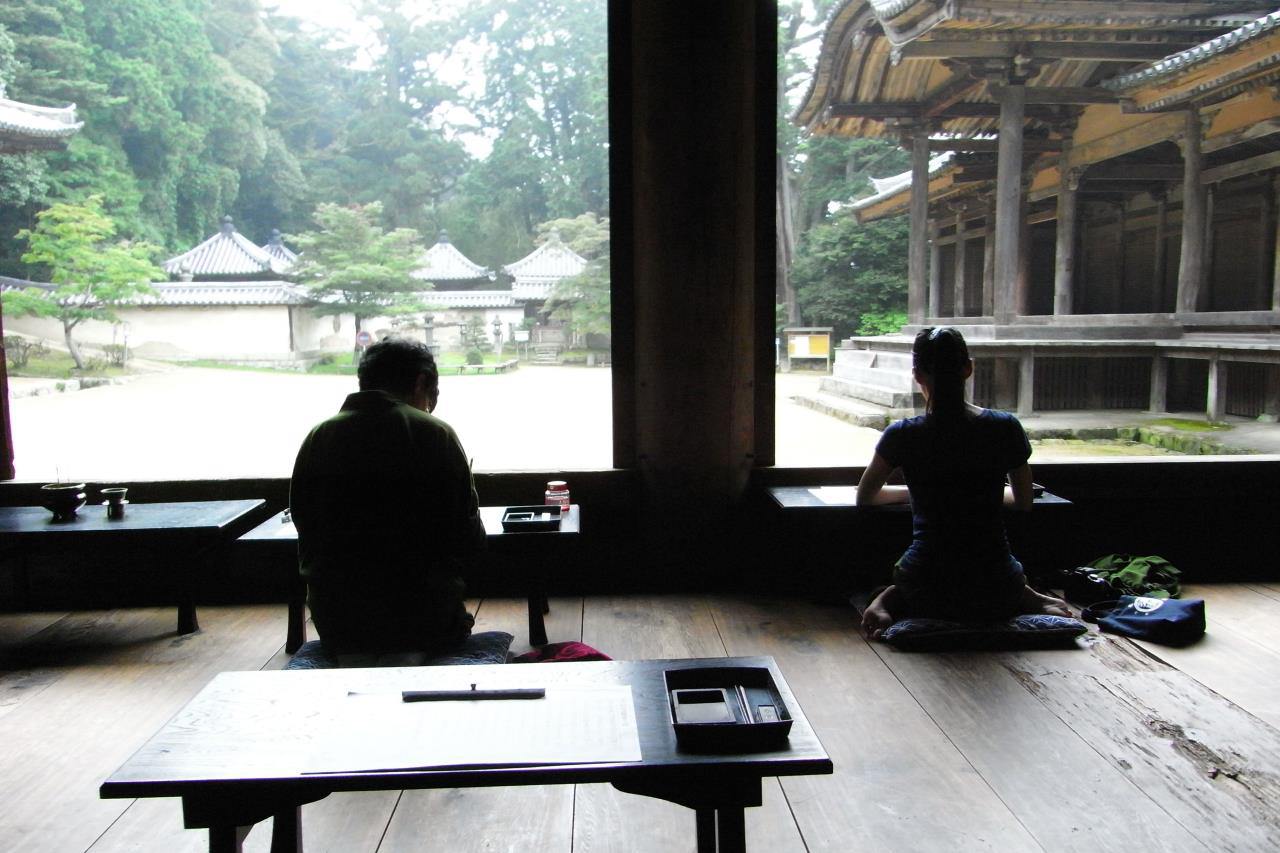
<point x="20" y="350"/>
<point x="474" y="356"/>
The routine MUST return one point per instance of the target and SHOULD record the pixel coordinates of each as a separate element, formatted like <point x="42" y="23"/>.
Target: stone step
<point x="875" y="376"/>
<point x="852" y="411"/>
<point x="880" y="359"/>
<point x="879" y="395"/>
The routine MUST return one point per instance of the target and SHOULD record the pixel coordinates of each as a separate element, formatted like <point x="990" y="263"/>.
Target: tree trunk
<point x="786" y="241"/>
<point x="355" y="346"/>
<point x="72" y="347"/>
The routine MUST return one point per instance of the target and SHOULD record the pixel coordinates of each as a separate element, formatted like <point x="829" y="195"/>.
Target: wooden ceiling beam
<point x="1093" y="51"/>
<point x="960" y="87"/>
<point x="1134" y="172"/>
<point x="986" y="146"/>
<point x="1067" y="95"/>
<point x="916" y="110"/>
<point x="1248" y="166"/>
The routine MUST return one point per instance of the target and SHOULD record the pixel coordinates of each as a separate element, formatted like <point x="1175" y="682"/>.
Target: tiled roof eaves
<point x="40" y="122"/>
<point x="233" y="293"/>
<point x="939" y="166"/>
<point x="551" y="261"/>
<point x="1178" y="62"/>
<point x="224" y="254"/>
<point x="470" y="298"/>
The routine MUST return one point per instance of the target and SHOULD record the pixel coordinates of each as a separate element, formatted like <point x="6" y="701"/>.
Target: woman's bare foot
<point x="879" y="616"/>
<point x="1034" y="602"/>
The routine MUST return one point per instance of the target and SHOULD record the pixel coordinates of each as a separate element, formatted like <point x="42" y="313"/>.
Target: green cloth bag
<point x="1152" y="577"/>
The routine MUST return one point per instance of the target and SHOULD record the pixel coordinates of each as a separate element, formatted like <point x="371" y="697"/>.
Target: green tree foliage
<point x="352" y="266"/>
<point x="583" y="300"/>
<point x="845" y="272"/>
<point x="89" y="269"/>
<point x="198" y="108"/>
<point x="835" y="271"/>
<point x="544" y="107"/>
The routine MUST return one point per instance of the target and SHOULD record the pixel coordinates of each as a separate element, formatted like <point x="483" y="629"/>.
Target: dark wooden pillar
<point x="1117" y="292"/>
<point x="989" y="260"/>
<point x="1159" y="384"/>
<point x="696" y="85"/>
<point x="1026" y="383"/>
<point x="1064" y="268"/>
<point x="1008" y="227"/>
<point x="1262" y="257"/>
<point x="961" y="251"/>
<point x="6" y="434"/>
<point x="918" y="239"/>
<point x="1216" y="398"/>
<point x="1158" y="261"/>
<point x="934" y="307"/>
<point x="1275" y="257"/>
<point x="1191" y="261"/>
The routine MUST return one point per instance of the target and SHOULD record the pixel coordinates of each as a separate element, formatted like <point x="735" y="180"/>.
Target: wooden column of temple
<point x="989" y="259"/>
<point x="1275" y="269"/>
<point x="960" y="283"/>
<point x="1008" y="227"/>
<point x="917" y="248"/>
<point x="934" y="304"/>
<point x="1191" y="261"/>
<point x="1065" y="250"/>
<point x="698" y="266"/>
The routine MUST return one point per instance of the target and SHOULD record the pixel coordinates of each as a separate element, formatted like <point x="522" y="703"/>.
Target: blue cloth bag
<point x="1169" y="621"/>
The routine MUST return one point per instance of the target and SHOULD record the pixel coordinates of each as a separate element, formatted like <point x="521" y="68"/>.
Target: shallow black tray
<point x="726" y="709"/>
<point x="528" y="519"/>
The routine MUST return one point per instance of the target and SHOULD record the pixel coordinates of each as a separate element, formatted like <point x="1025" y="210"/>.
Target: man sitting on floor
<point x="387" y="514"/>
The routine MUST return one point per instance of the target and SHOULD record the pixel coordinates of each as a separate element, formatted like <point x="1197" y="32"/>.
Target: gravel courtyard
<point x="206" y="423"/>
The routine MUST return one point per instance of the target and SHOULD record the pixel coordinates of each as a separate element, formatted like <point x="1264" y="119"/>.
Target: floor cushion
<point x="484" y="647"/>
<point x="1036" y="631"/>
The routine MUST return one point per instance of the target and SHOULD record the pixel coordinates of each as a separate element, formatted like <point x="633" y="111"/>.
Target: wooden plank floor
<point x="1115" y="746"/>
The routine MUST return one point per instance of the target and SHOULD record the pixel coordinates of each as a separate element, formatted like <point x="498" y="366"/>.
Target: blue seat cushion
<point x="1031" y="631"/>
<point x="484" y="647"/>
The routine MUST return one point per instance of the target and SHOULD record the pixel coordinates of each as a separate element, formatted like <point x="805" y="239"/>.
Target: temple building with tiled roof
<point x="1105" y="225"/>
<point x="226" y="255"/>
<point x="276" y="248"/>
<point x="27" y="127"/>
<point x="537" y="273"/>
<point x="443" y="263"/>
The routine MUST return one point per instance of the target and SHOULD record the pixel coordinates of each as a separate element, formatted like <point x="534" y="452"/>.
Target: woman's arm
<point x="1018" y="494"/>
<point x="872" y="489"/>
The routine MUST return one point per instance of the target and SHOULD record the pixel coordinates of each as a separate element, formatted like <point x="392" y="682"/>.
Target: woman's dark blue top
<point x="955" y="469"/>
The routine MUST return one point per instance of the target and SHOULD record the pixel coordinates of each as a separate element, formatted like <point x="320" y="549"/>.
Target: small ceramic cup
<point x="115" y="501"/>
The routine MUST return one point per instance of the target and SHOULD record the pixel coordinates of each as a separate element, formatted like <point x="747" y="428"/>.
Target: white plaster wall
<point x="226" y="332"/>
<point x="312" y="334"/>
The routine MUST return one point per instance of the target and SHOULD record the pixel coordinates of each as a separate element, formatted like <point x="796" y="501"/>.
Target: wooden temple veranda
<point x="1112" y="746"/>
<point x="1094" y="191"/>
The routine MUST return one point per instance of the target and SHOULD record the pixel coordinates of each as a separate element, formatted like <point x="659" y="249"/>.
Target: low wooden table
<point x="532" y="553"/>
<point x="239" y="752"/>
<point x="188" y="528"/>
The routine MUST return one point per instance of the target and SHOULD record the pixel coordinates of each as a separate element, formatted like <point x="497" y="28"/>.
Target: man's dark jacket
<point x="387" y="516"/>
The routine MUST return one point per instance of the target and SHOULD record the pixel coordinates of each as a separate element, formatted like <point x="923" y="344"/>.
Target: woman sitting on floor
<point x="955" y="459"/>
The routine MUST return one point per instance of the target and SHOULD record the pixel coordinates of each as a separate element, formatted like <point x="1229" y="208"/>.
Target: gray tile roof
<point x="200" y="293"/>
<point x="19" y="120"/>
<point x="547" y="264"/>
<point x="276" y="248"/>
<point x="214" y="293"/>
<point x="226" y="253"/>
<point x="470" y="299"/>
<point x="1177" y="62"/>
<point x="443" y="262"/>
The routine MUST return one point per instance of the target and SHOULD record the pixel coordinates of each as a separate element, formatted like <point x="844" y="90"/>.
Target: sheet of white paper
<point x="571" y="725"/>
<point x="836" y="495"/>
